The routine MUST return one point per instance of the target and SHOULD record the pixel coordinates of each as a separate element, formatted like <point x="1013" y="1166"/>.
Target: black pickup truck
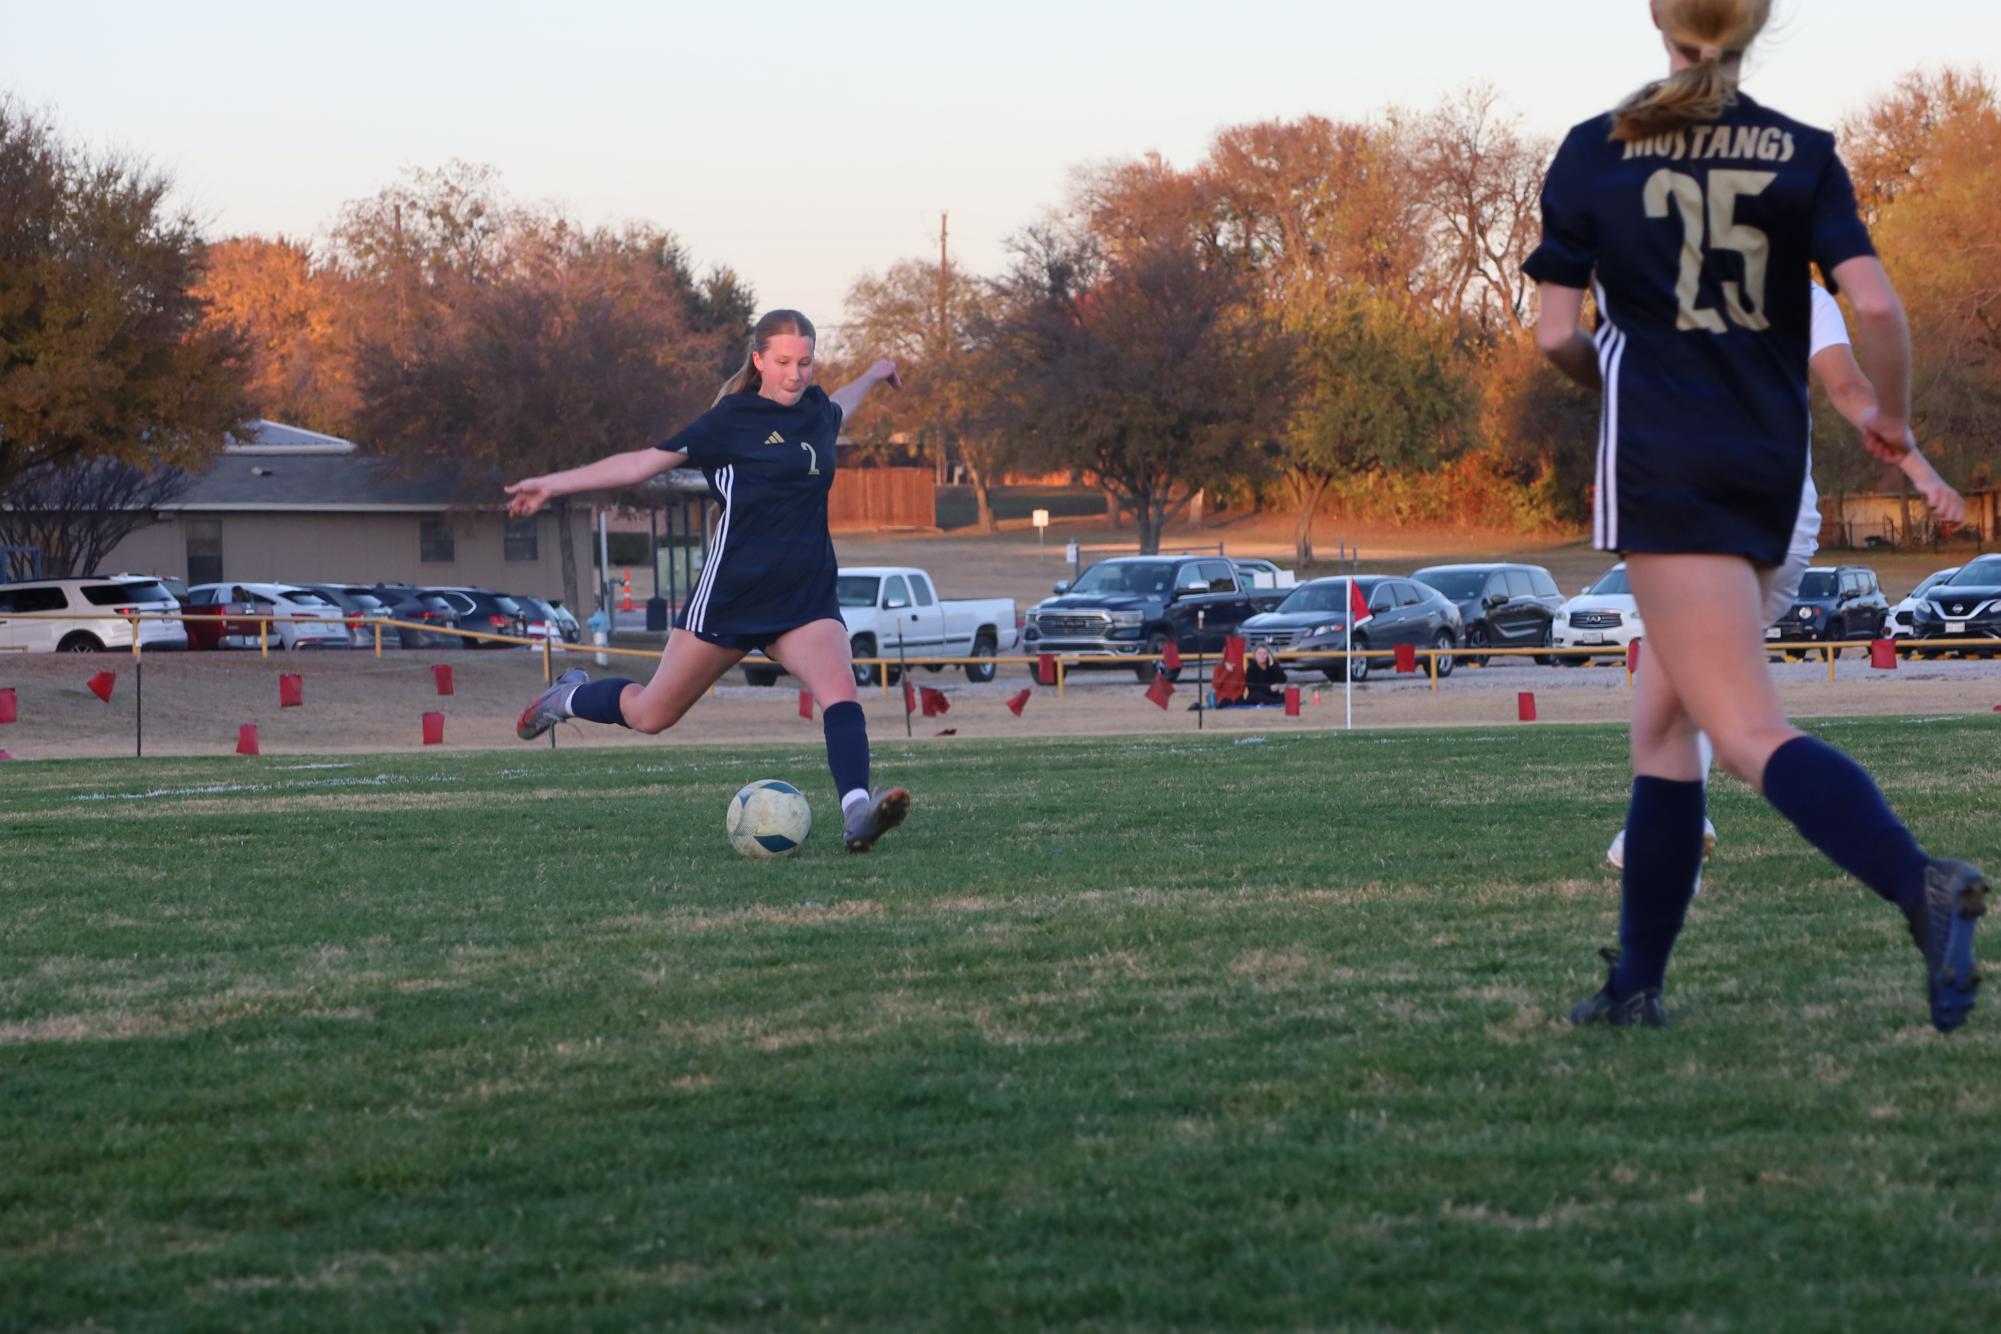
<point x="1136" y="604"/>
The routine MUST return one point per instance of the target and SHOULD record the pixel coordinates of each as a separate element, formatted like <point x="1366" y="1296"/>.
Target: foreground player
<point x="1831" y="361"/>
<point x="767" y="448"/>
<point x="1698" y="212"/>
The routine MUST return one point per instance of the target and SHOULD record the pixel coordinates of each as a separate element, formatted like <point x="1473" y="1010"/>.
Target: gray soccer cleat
<point x="884" y="812"/>
<point x="543" y="712"/>
<point x="1642" y="1009"/>
<point x="1942" y="928"/>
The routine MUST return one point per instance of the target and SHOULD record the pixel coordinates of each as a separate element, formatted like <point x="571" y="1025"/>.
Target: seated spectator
<point x="1264" y="679"/>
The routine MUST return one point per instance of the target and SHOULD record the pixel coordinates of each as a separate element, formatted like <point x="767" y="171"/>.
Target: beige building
<point x="286" y="505"/>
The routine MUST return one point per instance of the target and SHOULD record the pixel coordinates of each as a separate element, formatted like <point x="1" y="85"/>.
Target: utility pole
<point x="944" y="330"/>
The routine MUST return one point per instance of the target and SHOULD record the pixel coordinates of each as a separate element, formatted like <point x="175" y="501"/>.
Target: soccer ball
<point x="768" y="819"/>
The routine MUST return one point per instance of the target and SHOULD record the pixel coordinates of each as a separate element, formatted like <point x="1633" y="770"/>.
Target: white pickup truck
<point x="887" y="607"/>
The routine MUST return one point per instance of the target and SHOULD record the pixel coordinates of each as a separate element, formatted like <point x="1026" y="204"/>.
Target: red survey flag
<point x="291" y="690"/>
<point x="1525" y="706"/>
<point x="1406" y="657"/>
<point x="1358" y="606"/>
<point x="9" y="706"/>
<point x="1161" y="691"/>
<point x="434" y="729"/>
<point x="909" y="696"/>
<point x="935" y="702"/>
<point x="441" y="677"/>
<point x="246" y="739"/>
<point x="806" y="704"/>
<point x="1019" y="702"/>
<point x="1170" y="656"/>
<point x="100" y="685"/>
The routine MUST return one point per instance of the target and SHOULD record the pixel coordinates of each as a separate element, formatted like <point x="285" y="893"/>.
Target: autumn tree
<point x="1146" y="368"/>
<point x="291" y="309"/>
<point x="924" y="317"/>
<point x="1479" y="181"/>
<point x="1929" y="157"/>
<point x="1379" y="393"/>
<point x="104" y="352"/>
<point x="511" y="342"/>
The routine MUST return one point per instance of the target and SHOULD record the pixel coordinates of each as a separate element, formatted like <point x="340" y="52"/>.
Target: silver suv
<point x="87" y="615"/>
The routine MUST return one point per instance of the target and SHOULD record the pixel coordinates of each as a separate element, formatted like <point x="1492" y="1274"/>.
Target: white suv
<point x="1603" y="615"/>
<point x="300" y="618"/>
<point x="87" y="615"/>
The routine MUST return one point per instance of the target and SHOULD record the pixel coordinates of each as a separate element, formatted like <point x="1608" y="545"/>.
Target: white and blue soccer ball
<point x="769" y="819"/>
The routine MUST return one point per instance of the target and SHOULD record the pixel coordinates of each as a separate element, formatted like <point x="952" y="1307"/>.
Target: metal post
<point x="1201" y="636"/>
<point x="905" y="669"/>
<point x="138" y="706"/>
<point x="653" y="544"/>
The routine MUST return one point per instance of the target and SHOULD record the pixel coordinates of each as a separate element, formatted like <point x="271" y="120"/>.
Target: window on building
<point x="204" y="538"/>
<point x="434" y="542"/>
<point x="521" y="539"/>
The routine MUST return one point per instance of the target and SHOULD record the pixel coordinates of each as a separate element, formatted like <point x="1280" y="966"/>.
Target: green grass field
<point x="1115" y="1034"/>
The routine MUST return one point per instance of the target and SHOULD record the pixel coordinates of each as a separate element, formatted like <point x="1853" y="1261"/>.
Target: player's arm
<point x="1847" y="387"/>
<point x="851" y="394"/>
<point x="608" y="474"/>
<point x="1883" y="349"/>
<point x="1559" y="333"/>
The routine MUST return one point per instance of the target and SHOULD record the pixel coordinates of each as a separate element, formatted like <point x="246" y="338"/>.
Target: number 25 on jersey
<point x="1715" y="217"/>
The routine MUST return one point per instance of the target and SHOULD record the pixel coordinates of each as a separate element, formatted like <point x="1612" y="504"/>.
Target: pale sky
<point x="805" y="143"/>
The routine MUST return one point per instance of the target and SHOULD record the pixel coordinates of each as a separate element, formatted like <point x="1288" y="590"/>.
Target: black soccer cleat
<point x="1642" y="1009"/>
<point x="884" y="812"/>
<point x="1942" y="928"/>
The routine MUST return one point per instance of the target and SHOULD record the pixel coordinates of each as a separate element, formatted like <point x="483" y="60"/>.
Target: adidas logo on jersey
<point x="774" y="439"/>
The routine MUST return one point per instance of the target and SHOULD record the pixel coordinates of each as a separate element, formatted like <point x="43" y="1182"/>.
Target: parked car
<point x="485" y="610"/>
<point x="1966" y="606"/>
<point x="299" y="618"/>
<point x="1835" y="603"/>
<point x="1315" y="616"/>
<point x="1257" y="573"/>
<point x="1503" y="605"/>
<point x="1133" y="605"/>
<point x="57" y="615"/>
<point x="890" y="606"/>
<point x="544" y="620"/>
<point x="572" y="632"/>
<point x="1604" y="614"/>
<point x="1903" y="614"/>
<point x="362" y="606"/>
<point x="415" y="607"/>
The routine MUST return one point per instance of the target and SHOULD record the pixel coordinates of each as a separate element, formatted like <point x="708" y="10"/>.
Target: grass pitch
<point x="1199" y="1032"/>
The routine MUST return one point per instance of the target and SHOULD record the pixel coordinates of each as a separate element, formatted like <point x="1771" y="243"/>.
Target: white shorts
<point x="1782" y="583"/>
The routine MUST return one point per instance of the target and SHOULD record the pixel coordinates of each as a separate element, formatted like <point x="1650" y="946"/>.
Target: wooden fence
<point x="872" y="498"/>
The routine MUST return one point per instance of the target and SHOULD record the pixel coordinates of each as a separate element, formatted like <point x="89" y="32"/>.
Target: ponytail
<point x="1713" y="35"/>
<point x="747" y="380"/>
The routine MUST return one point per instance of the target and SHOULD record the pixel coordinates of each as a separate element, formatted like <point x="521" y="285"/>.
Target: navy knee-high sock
<point x="1663" y="856"/>
<point x="847" y="745"/>
<point x="597" y="701"/>
<point x="1838" y="808"/>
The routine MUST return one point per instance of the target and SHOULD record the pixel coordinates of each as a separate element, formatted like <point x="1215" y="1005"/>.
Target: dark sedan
<point x="1966" y="606"/>
<point x="421" y="607"/>
<point x="1315" y="617"/>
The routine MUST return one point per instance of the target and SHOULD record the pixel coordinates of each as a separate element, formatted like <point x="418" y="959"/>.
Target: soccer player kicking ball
<point x="1831" y="361"/>
<point x="767" y="449"/>
<point x="1698" y="216"/>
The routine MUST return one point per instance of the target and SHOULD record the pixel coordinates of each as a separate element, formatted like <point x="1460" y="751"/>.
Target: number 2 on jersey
<point x="1746" y="304"/>
<point x="812" y="469"/>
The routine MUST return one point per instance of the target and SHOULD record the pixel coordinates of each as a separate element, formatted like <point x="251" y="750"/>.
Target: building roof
<point x="276" y="468"/>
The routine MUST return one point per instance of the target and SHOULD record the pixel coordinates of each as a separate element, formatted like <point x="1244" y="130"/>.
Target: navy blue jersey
<point x="770" y="467"/>
<point x="1699" y="245"/>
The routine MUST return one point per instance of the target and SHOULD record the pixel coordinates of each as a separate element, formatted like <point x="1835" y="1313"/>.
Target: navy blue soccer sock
<point x="1663" y="858"/>
<point x="597" y="701"/>
<point x="847" y="745"/>
<point x="1838" y="808"/>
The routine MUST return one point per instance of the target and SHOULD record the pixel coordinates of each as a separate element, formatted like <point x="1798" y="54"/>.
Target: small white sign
<point x="1040" y="518"/>
<point x="1070" y="553"/>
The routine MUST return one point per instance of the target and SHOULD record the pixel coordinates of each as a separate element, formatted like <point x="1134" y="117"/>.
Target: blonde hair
<point x="769" y="325"/>
<point x="1715" y="34"/>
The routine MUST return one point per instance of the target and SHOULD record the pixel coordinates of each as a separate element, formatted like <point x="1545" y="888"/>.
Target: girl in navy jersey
<point x="767" y="449"/>
<point x="1696" y="215"/>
